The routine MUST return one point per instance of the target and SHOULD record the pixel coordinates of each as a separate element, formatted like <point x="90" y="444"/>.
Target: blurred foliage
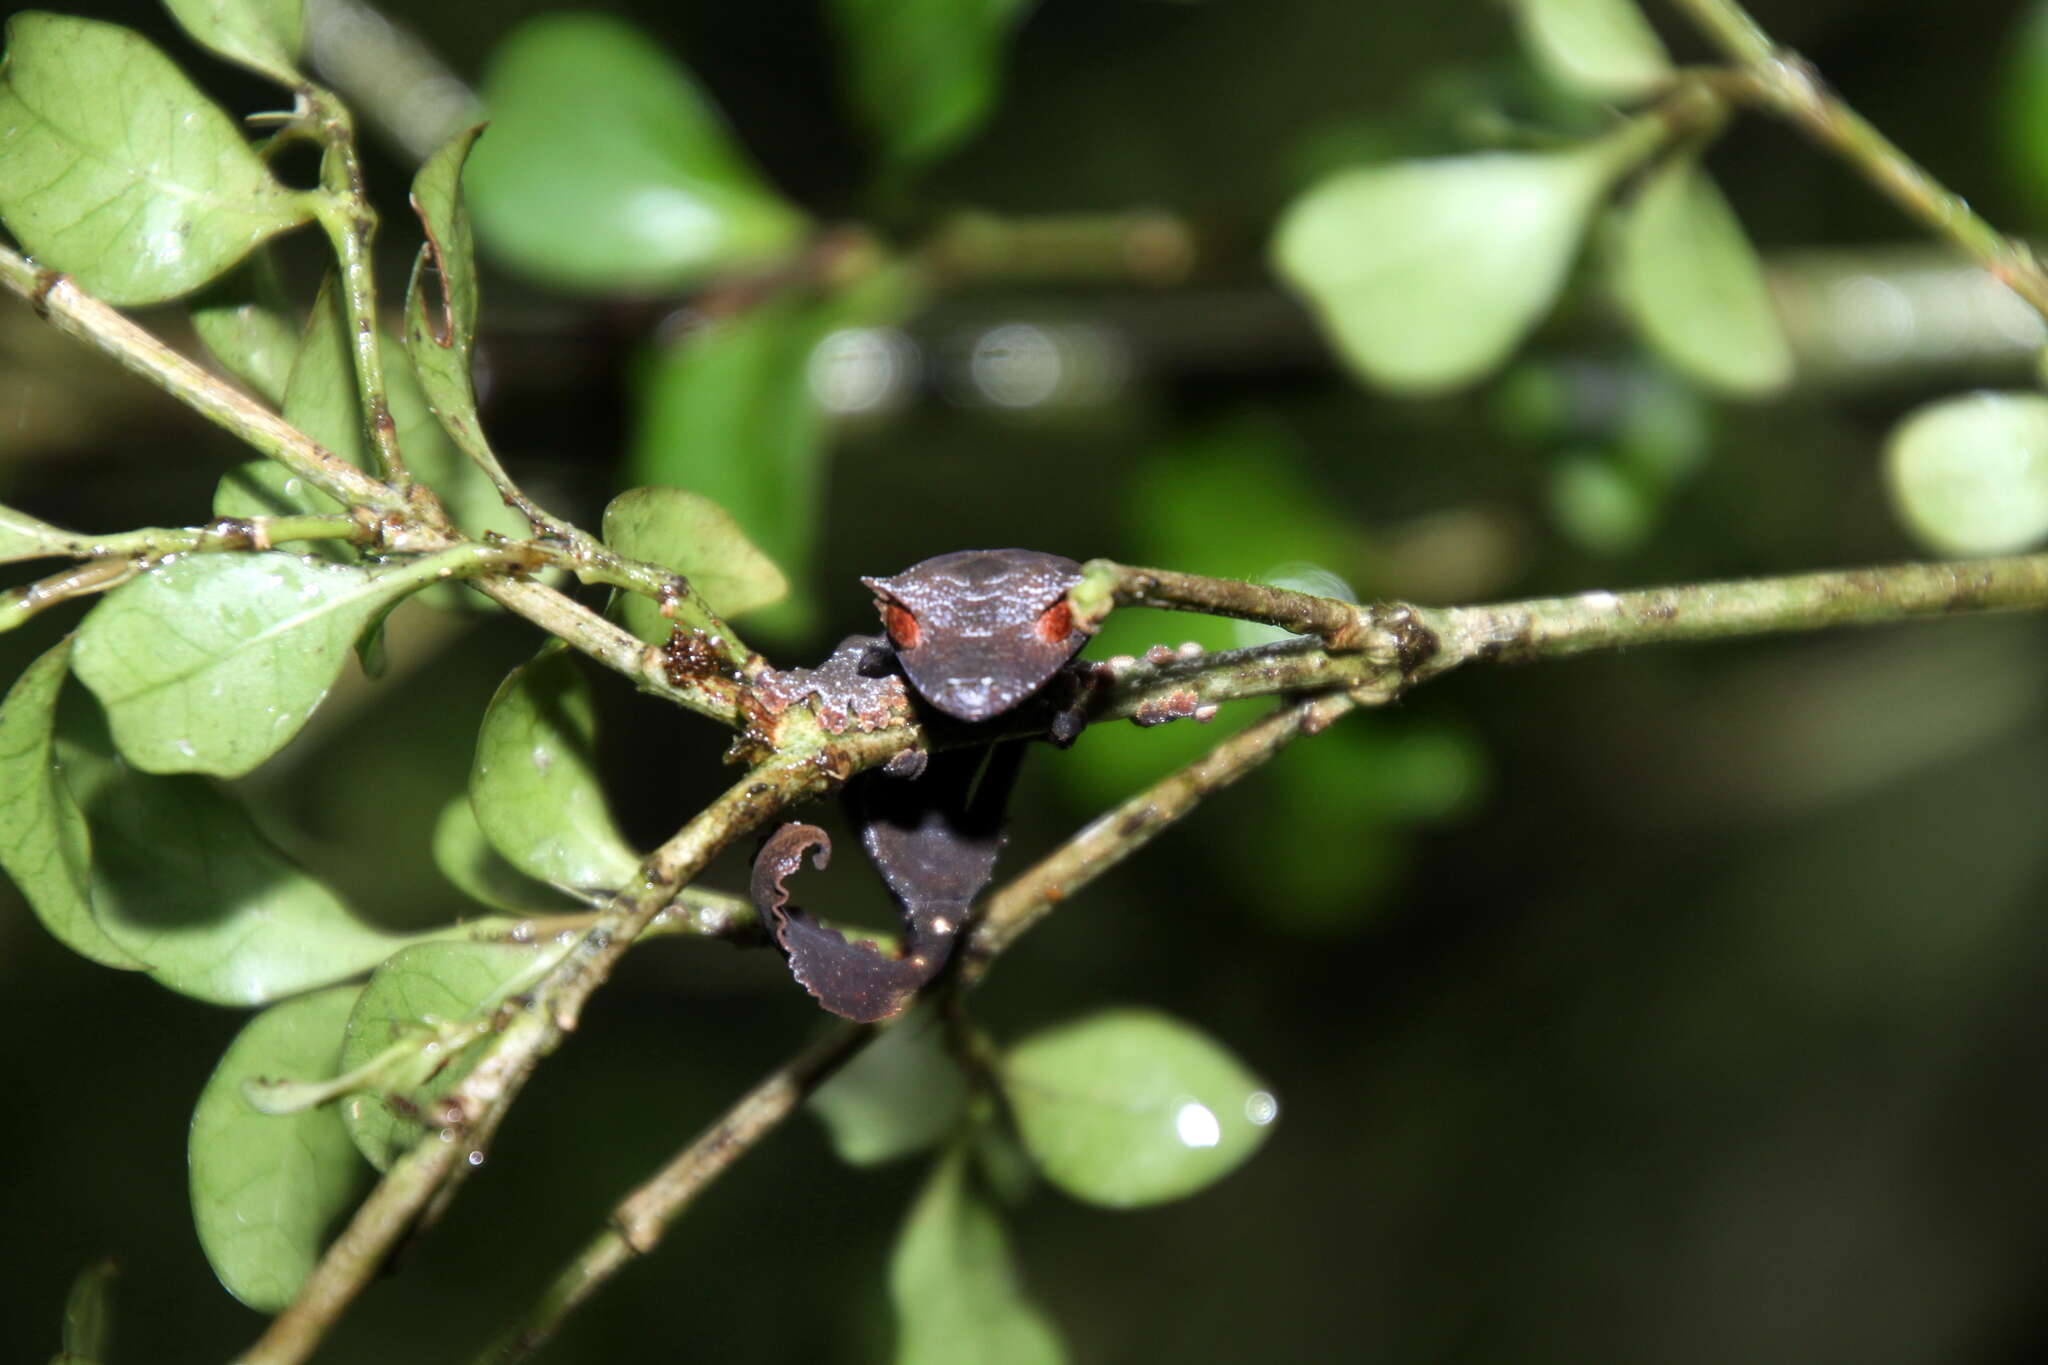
<point x="1664" y="1007"/>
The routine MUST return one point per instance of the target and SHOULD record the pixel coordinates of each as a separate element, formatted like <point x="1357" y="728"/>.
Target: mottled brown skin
<point x="976" y="633"/>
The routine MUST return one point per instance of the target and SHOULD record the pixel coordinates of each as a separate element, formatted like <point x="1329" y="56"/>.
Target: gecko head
<point x="978" y="631"/>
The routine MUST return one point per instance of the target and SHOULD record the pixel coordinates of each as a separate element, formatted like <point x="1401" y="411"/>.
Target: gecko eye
<point x="901" y="625"/>
<point x="1055" y="623"/>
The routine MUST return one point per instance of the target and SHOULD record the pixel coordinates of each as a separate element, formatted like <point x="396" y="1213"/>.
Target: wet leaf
<point x="183" y="882"/>
<point x="266" y="1188"/>
<point x="89" y="1312"/>
<point x="211" y="663"/>
<point x="263" y="35"/>
<point x="1602" y="48"/>
<point x="534" y="784"/>
<point x="1130" y="1107"/>
<point x="923" y="74"/>
<point x="23" y="537"/>
<point x="900" y="1094"/>
<point x="413" y="996"/>
<point x="466" y="858"/>
<point x="1969" y="475"/>
<point x="1691" y="280"/>
<point x="248" y="325"/>
<point x="44" y="844"/>
<point x="1426" y="274"/>
<point x="955" y="1285"/>
<point x="116" y="171"/>
<point x="607" y="169"/>
<point x="698" y="539"/>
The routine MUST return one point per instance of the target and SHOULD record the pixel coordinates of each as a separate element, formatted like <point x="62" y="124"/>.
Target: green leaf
<point x="440" y="318"/>
<point x="415" y="995"/>
<point x="321" y="399"/>
<point x="248" y="325"/>
<point x="211" y="663"/>
<point x="263" y="35"/>
<point x="1690" y="279"/>
<point x="265" y="488"/>
<point x="1969" y="475"/>
<point x="2023" y="112"/>
<point x="607" y="169"/>
<point x="923" y="73"/>
<point x="184" y="883"/>
<point x="696" y="537"/>
<point x="900" y="1094"/>
<point x="534" y="785"/>
<point x="954" y="1283"/>
<point x="44" y="843"/>
<point x="116" y="171"/>
<point x="1601" y="48"/>
<point x="1426" y="274"/>
<point x="466" y="858"/>
<point x="1130" y="1107"/>
<point x="265" y="1187"/>
<point x="23" y="537"/>
<point x="89" y="1313"/>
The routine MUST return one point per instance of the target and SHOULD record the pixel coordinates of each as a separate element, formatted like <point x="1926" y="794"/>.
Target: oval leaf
<point x="1969" y="475"/>
<point x="698" y="539"/>
<point x="607" y="168"/>
<point x="116" y="171"/>
<point x="534" y="784"/>
<point x="1131" y="1107"/>
<point x="412" y="996"/>
<point x="900" y="1094"/>
<point x="44" y="843"/>
<point x="441" y="299"/>
<point x="923" y="73"/>
<point x="211" y="663"/>
<point x="1693" y="283"/>
<point x="954" y="1283"/>
<point x="266" y="1188"/>
<point x="1426" y="274"/>
<point x="183" y="882"/>
<point x="1602" y="48"/>
<point x="263" y="35"/>
<point x="89" y="1312"/>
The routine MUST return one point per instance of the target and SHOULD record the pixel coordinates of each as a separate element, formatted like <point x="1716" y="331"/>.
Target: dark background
<point x="1675" y="1006"/>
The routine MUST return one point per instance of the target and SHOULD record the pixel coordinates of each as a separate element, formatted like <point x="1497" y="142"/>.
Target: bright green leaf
<point x="89" y="1312"/>
<point x="116" y="171"/>
<point x="1131" y="1107"/>
<point x="1426" y="274"/>
<point x="248" y="326"/>
<point x="1601" y="48"/>
<point x="1690" y="279"/>
<point x="900" y="1094"/>
<point x="263" y="35"/>
<point x="1969" y="475"/>
<point x="23" y="537"/>
<point x="607" y="169"/>
<point x="211" y="663"/>
<point x="955" y="1285"/>
<point x="413" y="996"/>
<point x="924" y="73"/>
<point x="466" y="858"/>
<point x="694" y="536"/>
<point x="534" y="785"/>
<point x="183" y="882"/>
<point x="44" y="843"/>
<point x="266" y="1188"/>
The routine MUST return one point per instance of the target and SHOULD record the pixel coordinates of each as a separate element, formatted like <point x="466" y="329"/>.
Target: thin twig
<point x="1790" y="87"/>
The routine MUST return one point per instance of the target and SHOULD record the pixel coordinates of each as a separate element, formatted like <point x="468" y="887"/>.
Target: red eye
<point x="1056" y="623"/>
<point x="901" y="625"/>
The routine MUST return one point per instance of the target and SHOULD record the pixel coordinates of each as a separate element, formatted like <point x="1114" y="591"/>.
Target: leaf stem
<point x="1788" y="85"/>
